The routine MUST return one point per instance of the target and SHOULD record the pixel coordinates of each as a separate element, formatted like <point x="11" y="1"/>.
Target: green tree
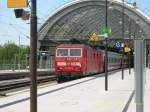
<point x="10" y="52"/>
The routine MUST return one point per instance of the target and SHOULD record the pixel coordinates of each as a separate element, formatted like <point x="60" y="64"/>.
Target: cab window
<point x="75" y="52"/>
<point x="62" y="52"/>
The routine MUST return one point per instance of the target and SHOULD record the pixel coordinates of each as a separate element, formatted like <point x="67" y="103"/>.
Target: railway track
<point x="13" y="84"/>
<point x="22" y="74"/>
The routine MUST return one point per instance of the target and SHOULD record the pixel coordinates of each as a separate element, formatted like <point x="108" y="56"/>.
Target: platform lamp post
<point x="130" y="24"/>
<point x="122" y="62"/>
<point x="33" y="58"/>
<point x="19" y="57"/>
<point x="128" y="32"/>
<point x="106" y="47"/>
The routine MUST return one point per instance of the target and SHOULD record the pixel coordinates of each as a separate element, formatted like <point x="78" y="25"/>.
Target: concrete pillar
<point x="139" y="64"/>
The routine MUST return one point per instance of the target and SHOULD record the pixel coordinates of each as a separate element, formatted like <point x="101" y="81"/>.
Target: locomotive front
<point x="68" y="59"/>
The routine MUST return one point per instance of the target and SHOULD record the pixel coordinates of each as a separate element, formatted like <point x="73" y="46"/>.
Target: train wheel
<point x="59" y="78"/>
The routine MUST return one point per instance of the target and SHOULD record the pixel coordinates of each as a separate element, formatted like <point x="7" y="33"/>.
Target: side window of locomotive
<point x="62" y="52"/>
<point x="94" y="56"/>
<point x="75" y="52"/>
<point x="84" y="53"/>
<point x="91" y="56"/>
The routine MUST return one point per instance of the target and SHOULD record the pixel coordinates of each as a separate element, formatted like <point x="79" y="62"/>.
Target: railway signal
<point x="21" y="13"/>
<point x="18" y="12"/>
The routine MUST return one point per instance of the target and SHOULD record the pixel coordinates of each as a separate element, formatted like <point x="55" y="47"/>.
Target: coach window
<point x="115" y="60"/>
<point x="111" y="60"/>
<point x="108" y="59"/>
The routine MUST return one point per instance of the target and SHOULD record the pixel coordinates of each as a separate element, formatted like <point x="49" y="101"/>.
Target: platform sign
<point x="119" y="45"/>
<point x="127" y="49"/>
<point x="104" y="30"/>
<point x="122" y="45"/>
<point x="17" y="3"/>
<point x="93" y="36"/>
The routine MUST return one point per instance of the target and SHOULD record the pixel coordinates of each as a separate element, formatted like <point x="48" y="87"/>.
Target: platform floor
<point x="132" y="107"/>
<point x="83" y="95"/>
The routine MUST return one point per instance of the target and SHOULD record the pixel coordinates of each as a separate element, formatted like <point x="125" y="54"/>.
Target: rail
<point x="15" y="84"/>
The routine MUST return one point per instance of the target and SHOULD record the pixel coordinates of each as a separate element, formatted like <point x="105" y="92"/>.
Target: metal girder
<point x="83" y="20"/>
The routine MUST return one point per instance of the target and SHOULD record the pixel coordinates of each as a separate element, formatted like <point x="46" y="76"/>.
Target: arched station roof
<point x="80" y="17"/>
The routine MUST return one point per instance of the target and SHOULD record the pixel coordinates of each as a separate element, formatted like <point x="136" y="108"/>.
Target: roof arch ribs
<point x="84" y="16"/>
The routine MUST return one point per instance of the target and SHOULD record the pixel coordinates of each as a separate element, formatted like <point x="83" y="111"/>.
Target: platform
<point x="21" y="71"/>
<point x="82" y="95"/>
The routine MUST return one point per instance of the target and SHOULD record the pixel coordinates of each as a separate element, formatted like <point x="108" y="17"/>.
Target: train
<point x="74" y="61"/>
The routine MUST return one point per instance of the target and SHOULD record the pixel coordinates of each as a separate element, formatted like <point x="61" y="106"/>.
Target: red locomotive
<point x="79" y="60"/>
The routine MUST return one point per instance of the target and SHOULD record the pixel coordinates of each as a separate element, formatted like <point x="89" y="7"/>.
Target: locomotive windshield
<point x="62" y="52"/>
<point x="75" y="52"/>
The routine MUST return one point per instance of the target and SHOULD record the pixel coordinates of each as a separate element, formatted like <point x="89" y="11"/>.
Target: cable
<point x="19" y="31"/>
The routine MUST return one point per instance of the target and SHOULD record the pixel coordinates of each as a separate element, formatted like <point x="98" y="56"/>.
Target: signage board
<point x="93" y="36"/>
<point x="119" y="45"/>
<point x="104" y="30"/>
<point x="127" y="49"/>
<point x="17" y="3"/>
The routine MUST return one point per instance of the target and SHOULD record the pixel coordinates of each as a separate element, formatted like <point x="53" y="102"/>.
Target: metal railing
<point x="24" y="64"/>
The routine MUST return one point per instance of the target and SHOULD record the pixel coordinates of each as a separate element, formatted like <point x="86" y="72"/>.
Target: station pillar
<point x="139" y="66"/>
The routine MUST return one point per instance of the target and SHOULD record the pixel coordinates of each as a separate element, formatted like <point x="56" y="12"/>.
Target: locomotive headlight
<point x="76" y="64"/>
<point x="61" y="63"/>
